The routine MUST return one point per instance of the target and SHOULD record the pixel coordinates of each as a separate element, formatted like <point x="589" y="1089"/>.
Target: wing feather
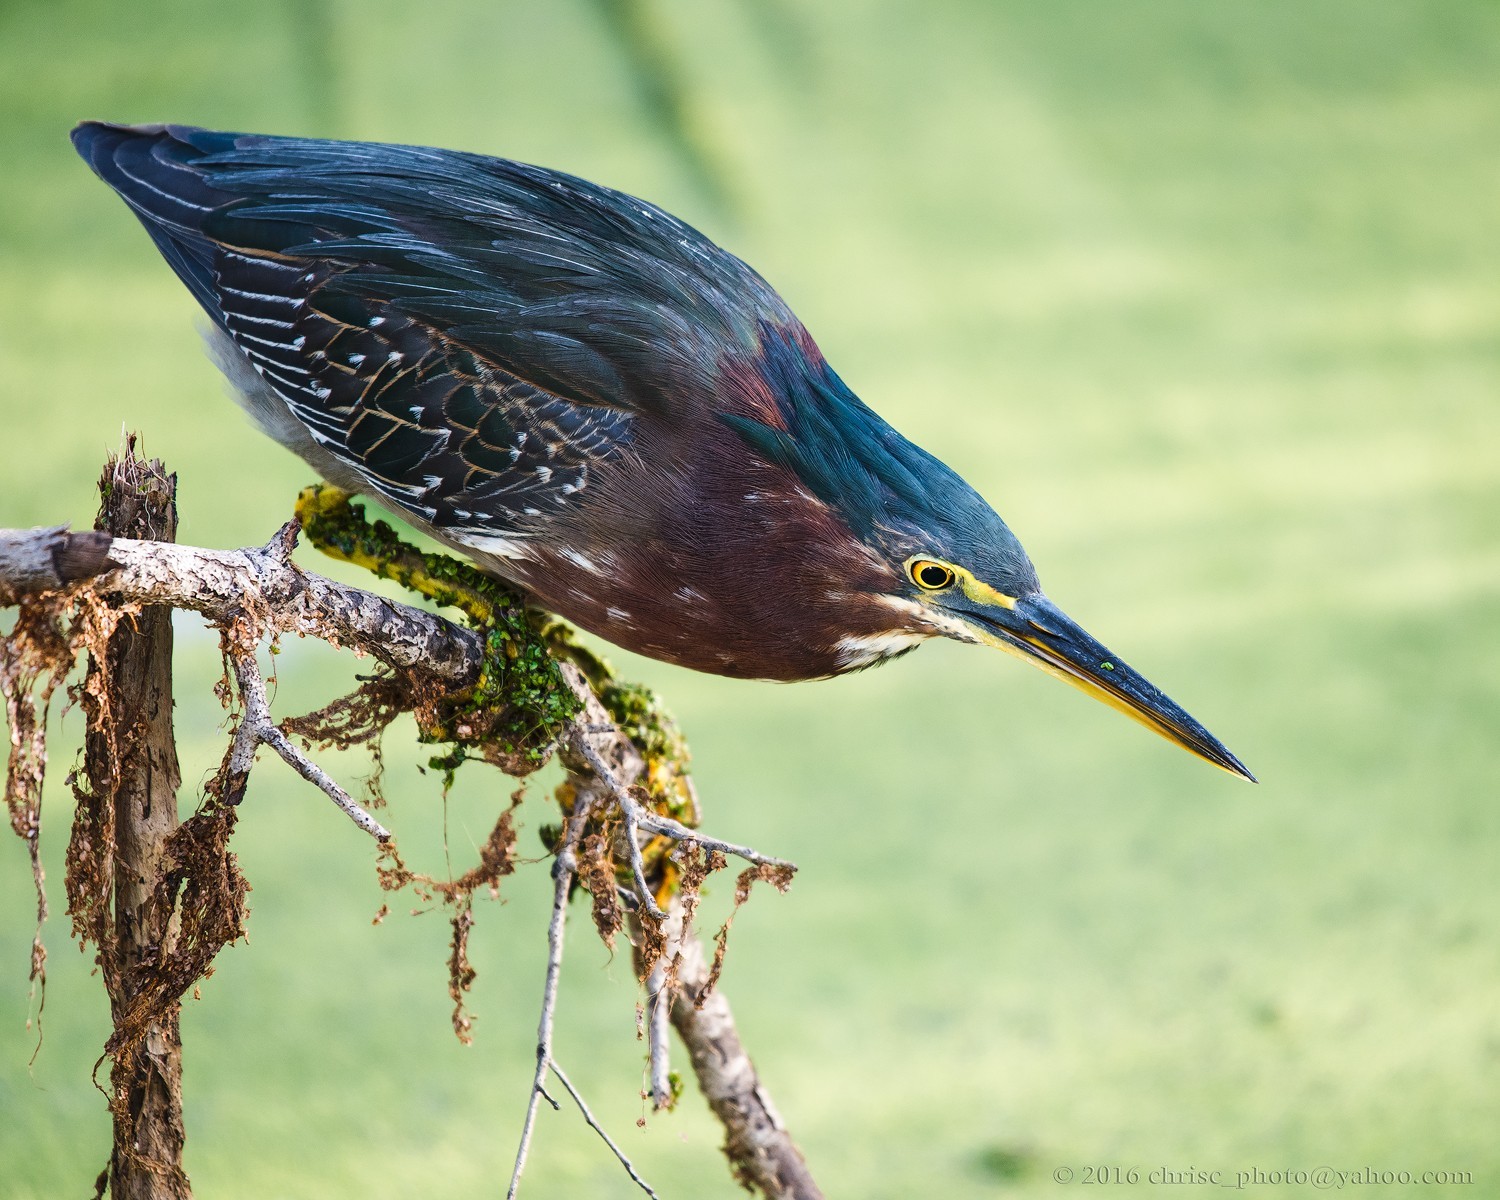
<point x="456" y="329"/>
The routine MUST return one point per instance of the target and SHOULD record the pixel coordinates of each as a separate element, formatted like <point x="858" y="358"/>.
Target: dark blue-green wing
<point x="474" y="336"/>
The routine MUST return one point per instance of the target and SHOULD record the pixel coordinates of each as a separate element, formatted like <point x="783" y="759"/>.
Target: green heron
<point x="593" y="401"/>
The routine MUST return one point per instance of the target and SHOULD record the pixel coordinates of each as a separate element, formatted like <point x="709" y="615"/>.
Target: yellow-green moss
<point x="520" y="700"/>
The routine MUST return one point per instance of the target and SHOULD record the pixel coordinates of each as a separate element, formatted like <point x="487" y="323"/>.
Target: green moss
<point x="512" y="715"/>
<point x="638" y="713"/>
<point x="448" y="764"/>
<point x="520" y="700"/>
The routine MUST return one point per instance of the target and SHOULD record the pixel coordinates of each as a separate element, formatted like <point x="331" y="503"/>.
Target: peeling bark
<point x="222" y="584"/>
<point x="42" y="560"/>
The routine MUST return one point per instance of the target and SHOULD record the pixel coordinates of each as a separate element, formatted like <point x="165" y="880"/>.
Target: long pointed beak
<point x="1037" y="630"/>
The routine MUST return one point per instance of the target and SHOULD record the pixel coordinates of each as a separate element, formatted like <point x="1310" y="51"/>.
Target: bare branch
<point x="257" y="729"/>
<point x="756" y="1140"/>
<point x="222" y="584"/>
<point x="658" y="1012"/>
<point x="599" y="1129"/>
<point x="631" y="813"/>
<point x="564" y="868"/>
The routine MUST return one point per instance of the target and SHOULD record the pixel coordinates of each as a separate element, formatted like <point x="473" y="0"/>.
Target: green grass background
<point x="1202" y="296"/>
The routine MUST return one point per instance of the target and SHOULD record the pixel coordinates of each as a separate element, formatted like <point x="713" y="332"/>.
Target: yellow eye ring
<point x="931" y="576"/>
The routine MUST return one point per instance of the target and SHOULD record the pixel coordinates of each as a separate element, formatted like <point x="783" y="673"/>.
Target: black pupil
<point x="933" y="576"/>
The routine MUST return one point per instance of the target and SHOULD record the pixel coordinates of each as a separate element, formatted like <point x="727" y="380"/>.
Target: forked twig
<point x="631" y="814"/>
<point x="637" y="816"/>
<point x="257" y="729"/>
<point x="564" y="868"/>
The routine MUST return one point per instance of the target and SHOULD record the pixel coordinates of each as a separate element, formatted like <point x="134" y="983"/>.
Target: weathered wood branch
<point x="261" y="590"/>
<point x="44" y="560"/>
<point x="261" y="581"/>
<point x="756" y="1139"/>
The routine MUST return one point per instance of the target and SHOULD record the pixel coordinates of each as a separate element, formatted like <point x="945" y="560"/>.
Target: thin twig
<point x="637" y="814"/>
<point x="658" y="1026"/>
<point x="257" y="729"/>
<point x="578" y="733"/>
<point x="632" y="817"/>
<point x="563" y="870"/>
<point x="599" y="1129"/>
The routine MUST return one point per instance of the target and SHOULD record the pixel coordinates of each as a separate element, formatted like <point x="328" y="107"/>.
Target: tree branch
<point x="257" y="729"/>
<point x="756" y="1140"/>
<point x="223" y="584"/>
<point x="258" y="592"/>
<point x="44" y="560"/>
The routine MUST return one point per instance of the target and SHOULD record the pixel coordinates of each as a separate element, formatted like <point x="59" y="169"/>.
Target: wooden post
<point x="130" y="760"/>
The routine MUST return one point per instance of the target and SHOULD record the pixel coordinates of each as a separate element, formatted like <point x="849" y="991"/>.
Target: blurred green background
<point x="1203" y="296"/>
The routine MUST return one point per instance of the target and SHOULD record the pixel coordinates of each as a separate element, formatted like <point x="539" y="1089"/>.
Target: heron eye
<point x="933" y="576"/>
